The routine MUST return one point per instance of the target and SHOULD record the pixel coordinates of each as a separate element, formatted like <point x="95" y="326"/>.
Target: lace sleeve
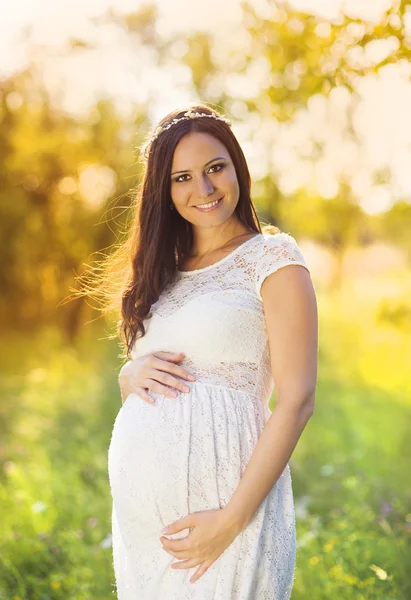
<point x="278" y="250"/>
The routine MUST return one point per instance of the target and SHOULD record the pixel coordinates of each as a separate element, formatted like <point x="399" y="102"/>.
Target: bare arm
<point x="290" y="310"/>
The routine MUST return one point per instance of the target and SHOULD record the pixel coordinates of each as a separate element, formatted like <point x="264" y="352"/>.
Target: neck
<point x="207" y="241"/>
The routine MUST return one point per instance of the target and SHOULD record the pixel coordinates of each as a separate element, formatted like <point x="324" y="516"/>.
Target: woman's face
<point x="201" y="173"/>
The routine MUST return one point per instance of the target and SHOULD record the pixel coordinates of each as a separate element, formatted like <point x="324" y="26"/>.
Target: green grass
<point x="57" y="410"/>
<point x="350" y="469"/>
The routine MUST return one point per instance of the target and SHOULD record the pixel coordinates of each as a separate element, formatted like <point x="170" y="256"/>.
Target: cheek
<point x="230" y="186"/>
<point x="178" y="195"/>
<point x="230" y="179"/>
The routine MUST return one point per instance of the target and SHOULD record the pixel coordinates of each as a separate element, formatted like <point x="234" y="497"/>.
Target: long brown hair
<point x="159" y="239"/>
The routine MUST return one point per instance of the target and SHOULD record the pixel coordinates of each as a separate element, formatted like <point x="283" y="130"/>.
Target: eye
<point x="221" y="165"/>
<point x="177" y="179"/>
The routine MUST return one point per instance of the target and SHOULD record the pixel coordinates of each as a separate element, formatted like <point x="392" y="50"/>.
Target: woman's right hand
<point x="158" y="372"/>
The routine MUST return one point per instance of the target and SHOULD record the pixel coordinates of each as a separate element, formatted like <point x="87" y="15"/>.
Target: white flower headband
<point x="187" y="115"/>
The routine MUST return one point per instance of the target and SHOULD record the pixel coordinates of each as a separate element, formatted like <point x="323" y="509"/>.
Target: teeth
<point x="209" y="205"/>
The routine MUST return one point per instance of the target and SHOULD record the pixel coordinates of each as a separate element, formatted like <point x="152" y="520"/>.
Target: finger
<point x="187" y="522"/>
<point x="154" y="386"/>
<point x="167" y="379"/>
<point x="175" y="545"/>
<point x="168" y="367"/>
<point x="180" y="555"/>
<point x="139" y="391"/>
<point x="168" y="373"/>
<point x="200" y="571"/>
<point x="186" y="564"/>
<point x="171" y="356"/>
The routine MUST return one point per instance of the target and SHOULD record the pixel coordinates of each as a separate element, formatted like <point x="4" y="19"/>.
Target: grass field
<point x="350" y="469"/>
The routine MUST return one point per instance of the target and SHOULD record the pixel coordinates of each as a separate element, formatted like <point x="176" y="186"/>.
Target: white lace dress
<point x="188" y="453"/>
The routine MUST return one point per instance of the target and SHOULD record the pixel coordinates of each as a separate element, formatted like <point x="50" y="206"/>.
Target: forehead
<point x="197" y="148"/>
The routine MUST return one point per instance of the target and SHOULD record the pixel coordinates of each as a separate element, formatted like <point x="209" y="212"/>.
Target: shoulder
<point x="275" y="252"/>
<point x="279" y="244"/>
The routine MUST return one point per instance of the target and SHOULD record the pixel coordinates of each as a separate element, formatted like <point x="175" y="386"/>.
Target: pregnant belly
<point x="180" y="455"/>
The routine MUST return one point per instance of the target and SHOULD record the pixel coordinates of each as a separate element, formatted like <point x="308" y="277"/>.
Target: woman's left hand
<point x="212" y="532"/>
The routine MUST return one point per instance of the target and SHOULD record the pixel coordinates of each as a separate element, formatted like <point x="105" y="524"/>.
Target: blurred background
<point x="319" y="93"/>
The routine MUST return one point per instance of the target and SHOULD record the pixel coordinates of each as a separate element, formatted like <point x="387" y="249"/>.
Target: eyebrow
<point x="210" y="161"/>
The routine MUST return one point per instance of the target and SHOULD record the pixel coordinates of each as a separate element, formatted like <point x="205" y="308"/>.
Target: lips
<point x="202" y="205"/>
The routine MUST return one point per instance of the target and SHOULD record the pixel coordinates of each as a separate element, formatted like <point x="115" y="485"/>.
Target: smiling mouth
<point x="209" y="204"/>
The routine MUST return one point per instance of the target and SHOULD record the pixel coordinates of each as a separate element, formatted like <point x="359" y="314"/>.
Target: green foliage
<point x="53" y="482"/>
<point x="350" y="471"/>
<point x="353" y="498"/>
<point x="65" y="180"/>
<point x="64" y="196"/>
<point x="61" y="179"/>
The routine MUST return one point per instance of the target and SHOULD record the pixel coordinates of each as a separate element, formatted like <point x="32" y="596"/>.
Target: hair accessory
<point x="187" y="115"/>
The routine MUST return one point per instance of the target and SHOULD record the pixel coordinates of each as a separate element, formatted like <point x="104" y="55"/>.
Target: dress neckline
<point x="218" y="262"/>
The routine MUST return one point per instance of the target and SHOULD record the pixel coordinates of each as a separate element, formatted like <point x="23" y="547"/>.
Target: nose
<point x="205" y="187"/>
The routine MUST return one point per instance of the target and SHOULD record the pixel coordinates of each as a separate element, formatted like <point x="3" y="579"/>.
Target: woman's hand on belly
<point x="158" y="372"/>
<point x="212" y="532"/>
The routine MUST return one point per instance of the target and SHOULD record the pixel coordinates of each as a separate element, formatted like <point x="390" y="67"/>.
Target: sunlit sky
<point x="127" y="72"/>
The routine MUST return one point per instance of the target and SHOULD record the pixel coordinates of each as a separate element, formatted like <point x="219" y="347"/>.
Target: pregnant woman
<point x="202" y="503"/>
